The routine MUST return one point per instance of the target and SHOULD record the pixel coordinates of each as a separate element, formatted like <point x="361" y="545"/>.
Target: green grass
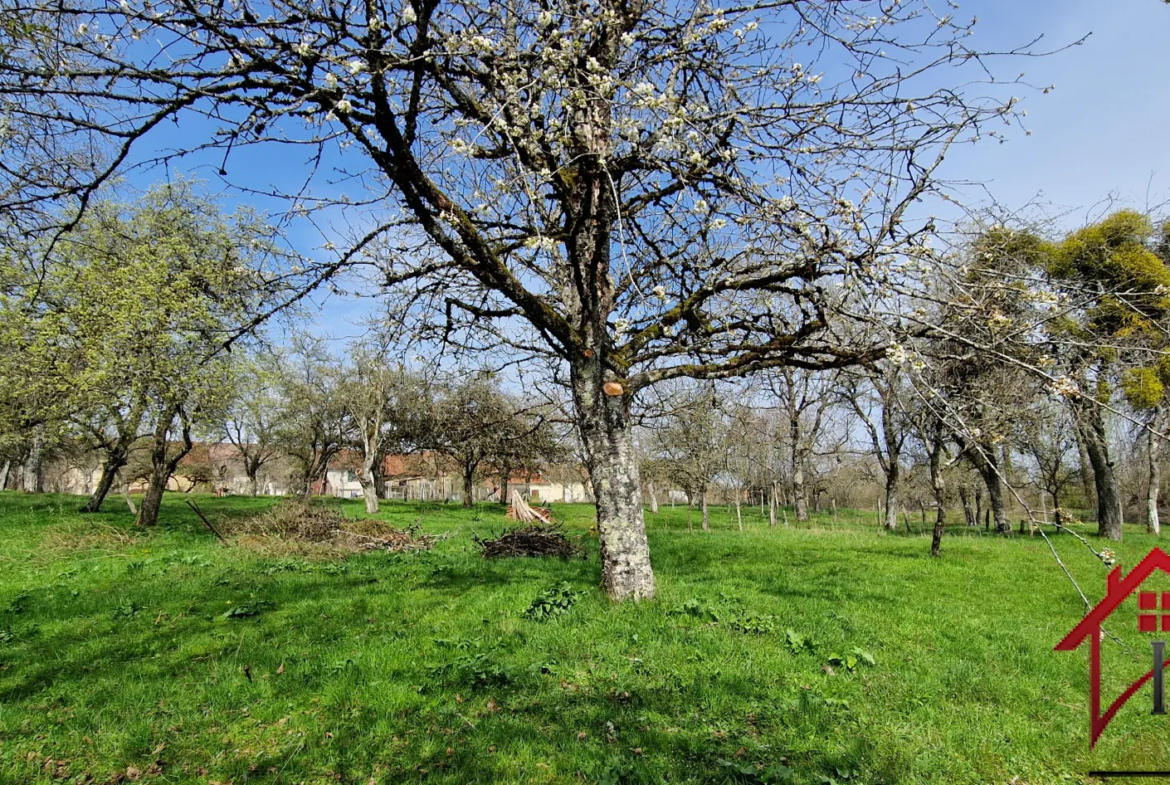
<point x="121" y="652"/>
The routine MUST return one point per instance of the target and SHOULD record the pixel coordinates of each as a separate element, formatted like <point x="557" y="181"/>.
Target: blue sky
<point x="1103" y="129"/>
<point x="1100" y="132"/>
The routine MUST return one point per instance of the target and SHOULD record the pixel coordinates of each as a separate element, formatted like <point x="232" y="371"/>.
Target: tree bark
<point x="1085" y="471"/>
<point x="115" y="460"/>
<point x="984" y="460"/>
<point x="706" y="511"/>
<point x="252" y="472"/>
<point x="653" y="498"/>
<point x="368" y="482"/>
<point x="969" y="514"/>
<point x="1091" y="425"/>
<point x="1154" y="450"/>
<point x="938" y="486"/>
<point x="772" y="508"/>
<point x="892" y="500"/>
<point x="468" y="486"/>
<point x="738" y="511"/>
<point x="608" y="441"/>
<point x="162" y="465"/>
<point x="4" y="470"/>
<point x="32" y="479"/>
<point x="799" y="498"/>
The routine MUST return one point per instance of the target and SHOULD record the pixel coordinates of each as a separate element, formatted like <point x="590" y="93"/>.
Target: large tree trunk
<point x="1154" y="450"/>
<point x="608" y="441"/>
<point x="468" y="486"/>
<point x="368" y="482"/>
<point x="799" y="494"/>
<point x="252" y="472"/>
<point x="892" y="500"/>
<point x="938" y="486"/>
<point x="969" y="514"/>
<point x="653" y="498"/>
<point x="1092" y="427"/>
<point x="115" y="460"/>
<point x="772" y="508"/>
<point x="987" y="466"/>
<point x="1085" y="471"/>
<point x="369" y="493"/>
<point x="32" y="475"/>
<point x="4" y="474"/>
<point x="706" y="510"/>
<point x="162" y="466"/>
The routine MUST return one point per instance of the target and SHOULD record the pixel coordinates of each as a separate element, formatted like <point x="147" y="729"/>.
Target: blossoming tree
<point x="640" y="190"/>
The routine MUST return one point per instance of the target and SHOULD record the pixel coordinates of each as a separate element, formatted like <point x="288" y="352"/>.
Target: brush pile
<point x="541" y="539"/>
<point x="298" y="522"/>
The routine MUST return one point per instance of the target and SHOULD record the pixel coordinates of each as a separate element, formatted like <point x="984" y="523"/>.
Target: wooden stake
<point x="206" y="522"/>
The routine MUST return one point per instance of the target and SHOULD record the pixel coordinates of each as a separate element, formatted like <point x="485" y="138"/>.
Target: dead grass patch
<point x="307" y="529"/>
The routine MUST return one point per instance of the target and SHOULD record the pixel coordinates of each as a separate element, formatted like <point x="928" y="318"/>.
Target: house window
<point x="1148" y="601"/>
<point x="350" y="476"/>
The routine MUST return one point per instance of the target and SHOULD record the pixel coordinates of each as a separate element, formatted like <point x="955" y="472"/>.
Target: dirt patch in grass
<point x="535" y="540"/>
<point x="297" y="527"/>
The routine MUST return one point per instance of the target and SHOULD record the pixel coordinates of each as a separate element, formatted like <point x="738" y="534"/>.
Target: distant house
<point x="219" y="467"/>
<point x="425" y="477"/>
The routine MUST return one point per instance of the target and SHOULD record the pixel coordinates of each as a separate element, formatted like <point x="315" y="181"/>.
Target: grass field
<point x="828" y="653"/>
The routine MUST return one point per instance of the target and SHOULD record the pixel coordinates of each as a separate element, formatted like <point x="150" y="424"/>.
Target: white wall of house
<point x="343" y="484"/>
<point x="558" y="492"/>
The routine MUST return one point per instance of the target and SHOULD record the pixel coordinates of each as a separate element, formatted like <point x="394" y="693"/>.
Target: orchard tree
<point x="383" y="403"/>
<point x="635" y="191"/>
<point x="876" y="396"/>
<point x="312" y="426"/>
<point x="251" y="423"/>
<point x="1117" y="290"/>
<point x="480" y="429"/>
<point x="128" y="320"/>
<point x="691" y="443"/>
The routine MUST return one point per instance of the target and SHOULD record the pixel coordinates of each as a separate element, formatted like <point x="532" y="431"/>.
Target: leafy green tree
<point x="383" y="403"/>
<point x="252" y="419"/>
<point x="130" y="322"/>
<point x="312" y="426"/>
<point x="1118" y="290"/>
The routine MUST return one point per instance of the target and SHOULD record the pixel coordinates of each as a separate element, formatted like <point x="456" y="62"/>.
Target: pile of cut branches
<point x="534" y="540"/>
<point x="304" y="525"/>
